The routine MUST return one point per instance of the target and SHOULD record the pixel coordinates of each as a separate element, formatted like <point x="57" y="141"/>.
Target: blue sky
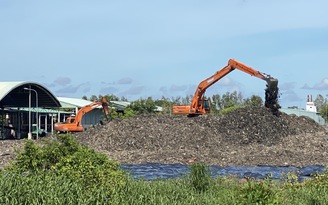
<point x="165" y="48"/>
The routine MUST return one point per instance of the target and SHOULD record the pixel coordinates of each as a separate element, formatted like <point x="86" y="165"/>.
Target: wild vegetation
<point x="63" y="172"/>
<point x="220" y="104"/>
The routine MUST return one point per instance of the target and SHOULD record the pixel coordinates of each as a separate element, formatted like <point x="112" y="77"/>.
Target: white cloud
<point x="287" y="86"/>
<point x="323" y="85"/>
<point x="290" y="96"/>
<point x="135" y="90"/>
<point x="178" y="88"/>
<point x="125" y="81"/>
<point x="62" y="81"/>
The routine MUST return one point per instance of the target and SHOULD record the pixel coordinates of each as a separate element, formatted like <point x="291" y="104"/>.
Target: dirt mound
<point x="7" y="150"/>
<point x="221" y="140"/>
<point x="247" y="125"/>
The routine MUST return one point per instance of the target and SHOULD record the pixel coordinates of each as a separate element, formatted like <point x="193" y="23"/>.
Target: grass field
<point x="63" y="172"/>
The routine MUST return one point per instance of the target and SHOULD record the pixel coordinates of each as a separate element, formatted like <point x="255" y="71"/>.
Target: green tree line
<point x="219" y="103"/>
<point x="321" y="103"/>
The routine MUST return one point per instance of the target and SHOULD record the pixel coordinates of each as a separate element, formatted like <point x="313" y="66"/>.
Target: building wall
<point x="92" y="118"/>
<point x="298" y="112"/>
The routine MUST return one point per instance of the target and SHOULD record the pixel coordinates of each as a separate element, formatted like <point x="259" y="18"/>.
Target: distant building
<point x="310" y="107"/>
<point x="26" y="106"/>
<point x="310" y="111"/>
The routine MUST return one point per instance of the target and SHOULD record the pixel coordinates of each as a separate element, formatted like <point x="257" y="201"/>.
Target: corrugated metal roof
<point x="73" y="102"/>
<point x="40" y="110"/>
<point x="14" y="94"/>
<point x="6" y="87"/>
<point x="121" y="104"/>
<point x="76" y="102"/>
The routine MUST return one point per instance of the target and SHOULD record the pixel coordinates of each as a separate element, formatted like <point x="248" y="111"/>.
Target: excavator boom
<point x="271" y="82"/>
<point x="199" y="105"/>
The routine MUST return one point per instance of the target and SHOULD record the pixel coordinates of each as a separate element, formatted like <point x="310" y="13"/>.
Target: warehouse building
<point x="310" y="111"/>
<point x="25" y="109"/>
<point x="28" y="109"/>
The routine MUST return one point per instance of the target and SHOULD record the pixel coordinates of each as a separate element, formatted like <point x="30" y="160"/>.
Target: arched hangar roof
<point x="16" y="94"/>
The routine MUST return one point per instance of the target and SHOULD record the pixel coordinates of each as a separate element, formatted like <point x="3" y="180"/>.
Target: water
<point x="151" y="171"/>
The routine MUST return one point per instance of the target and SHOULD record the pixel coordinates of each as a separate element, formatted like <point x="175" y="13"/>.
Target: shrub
<point x="128" y="113"/>
<point x="258" y="192"/>
<point x="143" y="106"/>
<point x="200" y="177"/>
<point x="66" y="157"/>
<point x="229" y="109"/>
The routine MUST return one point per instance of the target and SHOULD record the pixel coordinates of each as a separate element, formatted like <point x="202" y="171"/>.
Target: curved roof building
<point x="16" y="94"/>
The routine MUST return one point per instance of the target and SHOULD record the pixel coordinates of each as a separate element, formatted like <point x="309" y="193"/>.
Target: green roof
<point x="41" y="110"/>
<point x="73" y="102"/>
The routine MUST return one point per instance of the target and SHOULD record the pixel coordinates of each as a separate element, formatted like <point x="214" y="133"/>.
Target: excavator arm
<point x="271" y="82"/>
<point x="199" y="105"/>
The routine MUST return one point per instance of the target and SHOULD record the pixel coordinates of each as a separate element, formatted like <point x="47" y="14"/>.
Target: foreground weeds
<point x="63" y="172"/>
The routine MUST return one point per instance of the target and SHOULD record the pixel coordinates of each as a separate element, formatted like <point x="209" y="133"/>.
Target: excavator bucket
<point x="272" y="83"/>
<point x="271" y="96"/>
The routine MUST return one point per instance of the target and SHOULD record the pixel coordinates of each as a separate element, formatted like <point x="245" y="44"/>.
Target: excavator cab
<point x="207" y="105"/>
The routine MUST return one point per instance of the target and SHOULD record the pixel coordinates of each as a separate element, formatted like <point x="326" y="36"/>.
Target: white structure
<point x="310" y="107"/>
<point x="311" y="111"/>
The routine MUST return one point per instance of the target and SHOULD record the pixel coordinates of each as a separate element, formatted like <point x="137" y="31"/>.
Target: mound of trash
<point x="247" y="125"/>
<point x="215" y="139"/>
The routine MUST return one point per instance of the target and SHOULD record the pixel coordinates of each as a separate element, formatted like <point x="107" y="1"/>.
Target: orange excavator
<point x="200" y="105"/>
<point x="73" y="123"/>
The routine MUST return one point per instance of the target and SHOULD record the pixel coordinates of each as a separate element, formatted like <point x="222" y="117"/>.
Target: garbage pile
<point x="243" y="136"/>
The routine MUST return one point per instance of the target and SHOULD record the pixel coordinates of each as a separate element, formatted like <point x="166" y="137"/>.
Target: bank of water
<point x="151" y="171"/>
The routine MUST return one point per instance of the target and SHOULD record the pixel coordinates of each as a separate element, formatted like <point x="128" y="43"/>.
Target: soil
<point x="246" y="136"/>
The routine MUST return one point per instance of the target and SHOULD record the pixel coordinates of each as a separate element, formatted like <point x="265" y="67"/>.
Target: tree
<point x="166" y="104"/>
<point x="253" y="101"/>
<point x="112" y="97"/>
<point x="176" y="100"/>
<point x="187" y="100"/>
<point x="319" y="101"/>
<point x="143" y="106"/>
<point x="216" y="103"/>
<point x="124" y="99"/>
<point x="230" y="99"/>
<point x="93" y="98"/>
<point x="324" y="111"/>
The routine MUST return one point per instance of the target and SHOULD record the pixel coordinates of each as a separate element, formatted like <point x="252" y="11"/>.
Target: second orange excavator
<point x="73" y="123"/>
<point x="200" y="105"/>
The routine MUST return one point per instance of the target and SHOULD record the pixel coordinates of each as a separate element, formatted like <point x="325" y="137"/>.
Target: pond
<point x="151" y="171"/>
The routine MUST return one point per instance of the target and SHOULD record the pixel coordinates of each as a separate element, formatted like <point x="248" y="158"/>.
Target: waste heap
<point x="174" y="139"/>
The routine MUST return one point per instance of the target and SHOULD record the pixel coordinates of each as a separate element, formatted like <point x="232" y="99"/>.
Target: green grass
<point x="63" y="172"/>
<point x="51" y="188"/>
